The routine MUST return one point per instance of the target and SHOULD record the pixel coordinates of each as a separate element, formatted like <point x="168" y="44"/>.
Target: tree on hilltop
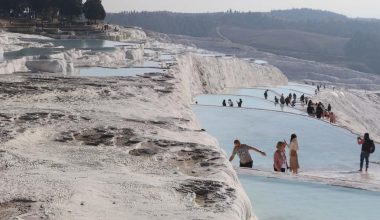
<point x="94" y="10"/>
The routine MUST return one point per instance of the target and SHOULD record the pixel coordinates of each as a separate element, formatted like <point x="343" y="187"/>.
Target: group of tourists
<point x="230" y="103"/>
<point x="319" y="87"/>
<point x="319" y="111"/>
<point x="281" y="163"/>
<point x="291" y="99"/>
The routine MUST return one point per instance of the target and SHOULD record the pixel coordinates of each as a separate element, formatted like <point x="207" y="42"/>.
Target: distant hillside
<point x="289" y="42"/>
<point x="307" y="15"/>
<point x="302" y="33"/>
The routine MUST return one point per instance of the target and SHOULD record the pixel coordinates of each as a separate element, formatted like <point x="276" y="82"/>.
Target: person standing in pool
<point x="242" y="150"/>
<point x="293" y="154"/>
<point x="266" y="94"/>
<point x="282" y="99"/>
<point x="224" y="103"/>
<point x="368" y="147"/>
<point x="280" y="163"/>
<point x="275" y="100"/>
<point x="230" y="103"/>
<point x="239" y="103"/>
<point x="287" y="101"/>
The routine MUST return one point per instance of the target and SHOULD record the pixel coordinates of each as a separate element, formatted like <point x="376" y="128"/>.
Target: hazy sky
<point x="352" y="8"/>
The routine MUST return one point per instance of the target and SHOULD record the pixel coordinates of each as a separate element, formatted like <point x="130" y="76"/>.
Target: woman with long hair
<point x="293" y="154"/>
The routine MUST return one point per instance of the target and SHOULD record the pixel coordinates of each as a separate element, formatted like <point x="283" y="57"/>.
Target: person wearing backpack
<point x="368" y="147"/>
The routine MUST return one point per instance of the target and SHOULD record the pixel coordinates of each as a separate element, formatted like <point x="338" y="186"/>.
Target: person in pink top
<point x="280" y="163"/>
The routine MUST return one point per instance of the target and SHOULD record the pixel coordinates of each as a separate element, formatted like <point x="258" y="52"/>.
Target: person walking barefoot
<point x="280" y="163"/>
<point x="293" y="154"/>
<point x="242" y="150"/>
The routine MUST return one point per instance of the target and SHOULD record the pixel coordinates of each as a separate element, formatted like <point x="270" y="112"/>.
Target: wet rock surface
<point x="105" y="136"/>
<point x="209" y="193"/>
<point x="15" y="207"/>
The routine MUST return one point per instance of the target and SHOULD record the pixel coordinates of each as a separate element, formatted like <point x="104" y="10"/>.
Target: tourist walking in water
<point x="275" y="100"/>
<point x="230" y="103"/>
<point x="242" y="150"/>
<point x="293" y="154"/>
<point x="282" y="99"/>
<point x="280" y="163"/>
<point x="239" y="103"/>
<point x="224" y="103"/>
<point x="287" y="101"/>
<point x="368" y="147"/>
<point x="266" y="94"/>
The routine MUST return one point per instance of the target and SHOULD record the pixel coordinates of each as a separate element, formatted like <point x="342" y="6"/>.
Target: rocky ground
<point x="75" y="147"/>
<point x="119" y="147"/>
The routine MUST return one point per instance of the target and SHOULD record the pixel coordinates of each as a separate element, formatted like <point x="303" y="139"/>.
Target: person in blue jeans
<point x="367" y="148"/>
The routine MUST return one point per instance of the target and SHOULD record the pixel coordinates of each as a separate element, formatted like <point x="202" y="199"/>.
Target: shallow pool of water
<point x="148" y="63"/>
<point x="289" y="200"/>
<point x="63" y="45"/>
<point x="106" y="72"/>
<point x="248" y="102"/>
<point x="89" y="43"/>
<point x="322" y="146"/>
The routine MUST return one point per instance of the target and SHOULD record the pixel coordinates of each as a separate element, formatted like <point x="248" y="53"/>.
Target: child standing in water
<point x="293" y="154"/>
<point x="280" y="163"/>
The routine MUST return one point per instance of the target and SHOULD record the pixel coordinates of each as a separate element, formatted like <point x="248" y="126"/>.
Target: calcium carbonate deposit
<point x="118" y="147"/>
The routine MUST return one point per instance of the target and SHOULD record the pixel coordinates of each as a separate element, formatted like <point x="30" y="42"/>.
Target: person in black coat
<point x="368" y="147"/>
<point x="319" y="111"/>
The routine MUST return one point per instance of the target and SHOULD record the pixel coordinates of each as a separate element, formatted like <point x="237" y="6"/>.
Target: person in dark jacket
<point x="282" y="99"/>
<point x="367" y="148"/>
<point x="275" y="100"/>
<point x="319" y="111"/>
<point x="224" y="103"/>
<point x="239" y="103"/>
<point x="287" y="101"/>
<point x="266" y="94"/>
<point x="329" y="108"/>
